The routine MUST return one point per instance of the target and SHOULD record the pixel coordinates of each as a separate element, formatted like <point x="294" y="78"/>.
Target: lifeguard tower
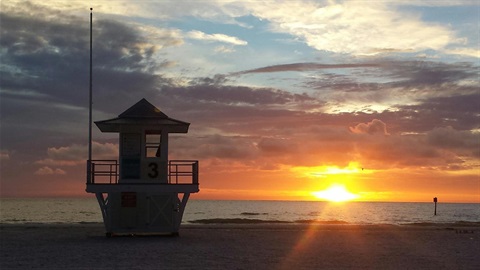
<point x="142" y="192"/>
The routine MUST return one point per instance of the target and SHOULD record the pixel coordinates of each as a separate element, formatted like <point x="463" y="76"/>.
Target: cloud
<point x="231" y="95"/>
<point x="472" y="52"/>
<point x="429" y="73"/>
<point x="394" y="73"/>
<point x="213" y="103"/>
<point x="458" y="111"/>
<point x="224" y="49"/>
<point x="75" y="154"/>
<point x="49" y="171"/>
<point x="45" y="70"/>
<point x="412" y="151"/>
<point x="4" y="155"/>
<point x="277" y="146"/>
<point x="214" y="148"/>
<point x="303" y="67"/>
<point x="449" y="138"/>
<point x="434" y="3"/>
<point x="226" y="147"/>
<point x="374" y="127"/>
<point x="216" y="37"/>
<point x="159" y="37"/>
<point x="396" y="85"/>
<point x="337" y="26"/>
<point x="46" y="56"/>
<point x="353" y="27"/>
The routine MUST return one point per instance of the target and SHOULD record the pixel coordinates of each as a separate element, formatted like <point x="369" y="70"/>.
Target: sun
<point x="335" y="193"/>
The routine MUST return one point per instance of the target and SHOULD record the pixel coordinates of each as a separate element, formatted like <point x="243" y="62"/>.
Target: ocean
<point x="86" y="210"/>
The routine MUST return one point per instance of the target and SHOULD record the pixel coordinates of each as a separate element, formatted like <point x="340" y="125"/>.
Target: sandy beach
<point x="245" y="246"/>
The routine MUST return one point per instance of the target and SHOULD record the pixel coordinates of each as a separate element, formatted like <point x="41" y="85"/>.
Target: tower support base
<point x="126" y="213"/>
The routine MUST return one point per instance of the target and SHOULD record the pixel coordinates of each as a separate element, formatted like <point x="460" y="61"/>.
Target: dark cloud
<point x="231" y="95"/>
<point x="44" y="85"/>
<point x="453" y="105"/>
<point x="458" y="111"/>
<point x="277" y="146"/>
<point x="217" y="79"/>
<point x="449" y="138"/>
<point x="438" y="94"/>
<point x="303" y="67"/>
<point x="429" y="73"/>
<point x="216" y="146"/>
<point x="49" y="57"/>
<point x="395" y="77"/>
<point x="119" y="47"/>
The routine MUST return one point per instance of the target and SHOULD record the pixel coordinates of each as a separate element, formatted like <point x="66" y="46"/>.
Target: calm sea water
<point x="78" y="210"/>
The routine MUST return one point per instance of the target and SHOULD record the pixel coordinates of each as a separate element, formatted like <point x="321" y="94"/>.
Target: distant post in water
<point x="435" y="201"/>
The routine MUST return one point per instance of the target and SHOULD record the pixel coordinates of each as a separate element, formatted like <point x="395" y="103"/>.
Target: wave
<point x="252" y="214"/>
<point x="457" y="223"/>
<point x="236" y="221"/>
<point x="266" y="221"/>
<point x="322" y="222"/>
<point x="15" y="220"/>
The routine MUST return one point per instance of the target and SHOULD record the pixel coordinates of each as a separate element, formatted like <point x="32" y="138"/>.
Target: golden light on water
<point x="335" y="193"/>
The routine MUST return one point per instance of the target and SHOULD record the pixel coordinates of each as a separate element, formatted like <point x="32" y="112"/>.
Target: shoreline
<point x="259" y="222"/>
<point x="242" y="246"/>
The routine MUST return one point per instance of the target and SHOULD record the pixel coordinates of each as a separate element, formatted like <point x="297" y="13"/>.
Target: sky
<point x="285" y="98"/>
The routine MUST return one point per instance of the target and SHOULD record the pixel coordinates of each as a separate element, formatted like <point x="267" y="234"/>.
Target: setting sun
<point x="335" y="193"/>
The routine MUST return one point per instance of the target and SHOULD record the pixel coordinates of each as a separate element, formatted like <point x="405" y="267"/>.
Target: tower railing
<point x="183" y="172"/>
<point x="107" y="172"/>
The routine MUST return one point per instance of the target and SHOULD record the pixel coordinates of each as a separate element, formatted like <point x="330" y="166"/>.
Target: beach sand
<point x="242" y="246"/>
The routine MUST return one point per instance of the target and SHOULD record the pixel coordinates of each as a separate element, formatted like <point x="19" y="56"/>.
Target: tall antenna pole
<point x="89" y="168"/>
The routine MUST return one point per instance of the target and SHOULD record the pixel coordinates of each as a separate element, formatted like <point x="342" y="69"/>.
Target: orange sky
<point x="300" y="183"/>
<point x="218" y="180"/>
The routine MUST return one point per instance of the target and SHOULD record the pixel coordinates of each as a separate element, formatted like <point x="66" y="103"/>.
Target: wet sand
<point x="246" y="246"/>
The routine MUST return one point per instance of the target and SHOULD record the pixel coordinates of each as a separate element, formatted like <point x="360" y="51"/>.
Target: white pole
<point x="89" y="171"/>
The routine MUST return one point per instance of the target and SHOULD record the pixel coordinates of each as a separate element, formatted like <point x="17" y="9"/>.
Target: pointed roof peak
<point x="143" y="109"/>
<point x="143" y="116"/>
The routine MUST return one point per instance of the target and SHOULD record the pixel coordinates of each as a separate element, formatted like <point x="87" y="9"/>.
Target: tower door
<point x="162" y="210"/>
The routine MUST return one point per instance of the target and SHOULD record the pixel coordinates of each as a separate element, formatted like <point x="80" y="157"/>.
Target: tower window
<point x="152" y="145"/>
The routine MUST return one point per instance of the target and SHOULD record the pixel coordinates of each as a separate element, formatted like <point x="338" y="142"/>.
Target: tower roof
<point x="143" y="109"/>
<point x="143" y="115"/>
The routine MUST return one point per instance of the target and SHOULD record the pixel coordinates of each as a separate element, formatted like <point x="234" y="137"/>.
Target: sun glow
<point x="324" y="171"/>
<point x="335" y="193"/>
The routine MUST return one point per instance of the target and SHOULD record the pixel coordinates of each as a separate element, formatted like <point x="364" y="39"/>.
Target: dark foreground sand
<point x="260" y="246"/>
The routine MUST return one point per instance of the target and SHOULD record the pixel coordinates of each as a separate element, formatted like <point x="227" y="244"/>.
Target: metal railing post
<point x="89" y="171"/>
<point x="195" y="173"/>
<point x="176" y="173"/>
<point x="116" y="172"/>
<point x="92" y="173"/>
<point x="110" y="172"/>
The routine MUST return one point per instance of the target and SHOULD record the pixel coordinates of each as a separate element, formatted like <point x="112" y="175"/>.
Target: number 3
<point x="154" y="172"/>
